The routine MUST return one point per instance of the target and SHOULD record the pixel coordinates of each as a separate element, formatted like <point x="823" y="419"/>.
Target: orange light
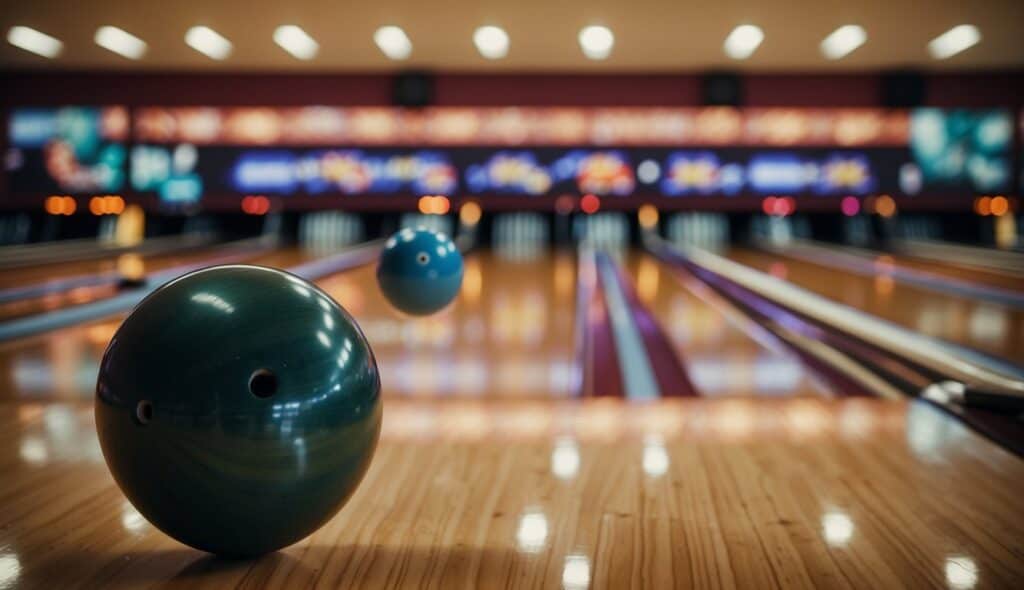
<point x="983" y="206"/>
<point x="68" y="206"/>
<point x="647" y="215"/>
<point x="425" y="205"/>
<point x="999" y="206"/>
<point x="96" y="205"/>
<point x="54" y="205"/>
<point x="590" y="204"/>
<point x="470" y="213"/>
<point x="441" y="205"/>
<point x="885" y="206"/>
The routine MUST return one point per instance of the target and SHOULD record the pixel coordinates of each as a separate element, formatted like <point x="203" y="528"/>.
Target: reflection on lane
<point x="63" y="364"/>
<point x="724" y="352"/>
<point x="509" y="332"/>
<point x="671" y="449"/>
<point x="988" y="327"/>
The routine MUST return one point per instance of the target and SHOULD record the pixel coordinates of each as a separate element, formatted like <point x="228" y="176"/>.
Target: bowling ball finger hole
<point x="263" y="383"/>
<point x="423" y="258"/>
<point x="143" y="412"/>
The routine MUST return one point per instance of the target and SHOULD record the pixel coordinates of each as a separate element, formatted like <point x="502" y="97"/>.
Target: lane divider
<point x="669" y="370"/>
<point x="36" y="324"/>
<point x="597" y="366"/>
<point x="50" y="287"/>
<point x="858" y="265"/>
<point x="918" y="361"/>
<point x="634" y="362"/>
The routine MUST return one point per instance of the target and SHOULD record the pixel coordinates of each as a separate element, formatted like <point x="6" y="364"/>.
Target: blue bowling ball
<point x="420" y="271"/>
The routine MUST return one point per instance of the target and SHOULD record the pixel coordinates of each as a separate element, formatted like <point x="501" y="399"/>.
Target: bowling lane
<point x="126" y="264"/>
<point x="62" y="364"/>
<point x="748" y="493"/>
<point x="988" y="327"/>
<point x="508" y="334"/>
<point x="724" y="352"/>
<point x="31" y="275"/>
<point x="1002" y="279"/>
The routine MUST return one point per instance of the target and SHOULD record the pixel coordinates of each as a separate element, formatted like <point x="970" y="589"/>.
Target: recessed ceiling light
<point x="596" y="41"/>
<point x="32" y="40"/>
<point x="296" y="41"/>
<point x="842" y="41"/>
<point x="491" y="42"/>
<point x="743" y="41"/>
<point x="120" y="42"/>
<point x="393" y="42"/>
<point x="954" y="41"/>
<point x="208" y="42"/>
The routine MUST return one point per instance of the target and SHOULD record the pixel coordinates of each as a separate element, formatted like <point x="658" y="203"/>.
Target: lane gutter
<point x="858" y="265"/>
<point x="669" y="370"/>
<point x="37" y="324"/>
<point x="917" y="380"/>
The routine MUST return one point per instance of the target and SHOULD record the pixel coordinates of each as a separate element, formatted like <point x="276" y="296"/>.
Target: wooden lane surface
<point x="724" y="352"/>
<point x="30" y="275"/>
<point x="980" y="276"/>
<point x="49" y="302"/>
<point x="62" y="364"/>
<point x="509" y="332"/>
<point x="707" y="493"/>
<point x="985" y="326"/>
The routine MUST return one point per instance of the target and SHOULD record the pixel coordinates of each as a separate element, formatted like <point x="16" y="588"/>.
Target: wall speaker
<point x="902" y="90"/>
<point x="413" y="89"/>
<point x="722" y="89"/>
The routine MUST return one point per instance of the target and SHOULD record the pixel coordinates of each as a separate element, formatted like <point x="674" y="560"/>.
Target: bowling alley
<point x="570" y="295"/>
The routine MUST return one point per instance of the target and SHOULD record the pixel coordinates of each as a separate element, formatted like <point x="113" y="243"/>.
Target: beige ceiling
<point x="650" y="34"/>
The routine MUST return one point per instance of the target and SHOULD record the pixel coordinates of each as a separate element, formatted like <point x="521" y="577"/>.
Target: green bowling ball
<point x="238" y="407"/>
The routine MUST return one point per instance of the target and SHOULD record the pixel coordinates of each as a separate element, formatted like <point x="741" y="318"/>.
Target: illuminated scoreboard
<point x="183" y="155"/>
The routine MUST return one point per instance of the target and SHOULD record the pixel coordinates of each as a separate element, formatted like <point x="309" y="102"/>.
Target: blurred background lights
<point x="296" y="41"/>
<point x="34" y="41"/>
<point x="120" y="42"/>
<point x="743" y="41"/>
<point x="393" y="42"/>
<point x="492" y="42"/>
<point x="954" y="41"/>
<point x="843" y="41"/>
<point x="208" y="42"/>
<point x="596" y="42"/>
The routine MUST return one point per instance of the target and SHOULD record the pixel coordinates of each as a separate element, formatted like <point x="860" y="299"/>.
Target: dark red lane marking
<point x="596" y="358"/>
<point x="673" y="380"/>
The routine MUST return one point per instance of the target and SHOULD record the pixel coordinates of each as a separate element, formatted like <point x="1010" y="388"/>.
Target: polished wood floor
<point x="486" y="477"/>
<point x="991" y="328"/>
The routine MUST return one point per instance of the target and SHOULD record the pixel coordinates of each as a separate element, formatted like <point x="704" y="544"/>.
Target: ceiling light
<point x="120" y="42"/>
<point x="393" y="42"/>
<point x="842" y="41"/>
<point x="596" y="41"/>
<point x="491" y="42"/>
<point x="743" y="41"/>
<point x="954" y="41"/>
<point x="208" y="42"/>
<point x="32" y="40"/>
<point x="296" y="41"/>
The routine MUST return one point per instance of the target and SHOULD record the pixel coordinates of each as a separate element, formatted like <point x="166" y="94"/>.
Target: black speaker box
<point x="413" y="89"/>
<point x="903" y="90"/>
<point x="722" y="89"/>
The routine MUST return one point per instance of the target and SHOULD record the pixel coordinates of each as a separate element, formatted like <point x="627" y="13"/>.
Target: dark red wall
<point x="1002" y="88"/>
